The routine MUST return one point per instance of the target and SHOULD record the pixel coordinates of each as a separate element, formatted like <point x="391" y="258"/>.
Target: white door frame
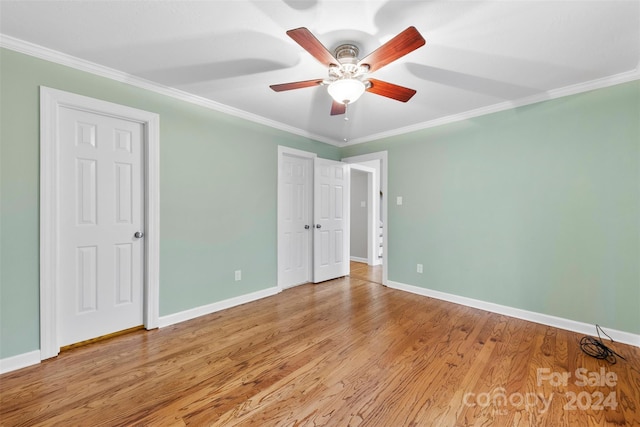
<point x="382" y="156"/>
<point x="282" y="151"/>
<point x="51" y="100"/>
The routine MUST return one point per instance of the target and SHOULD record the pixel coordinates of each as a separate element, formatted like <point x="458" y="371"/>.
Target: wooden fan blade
<point x="338" y="108"/>
<point x="296" y="85"/>
<point x="390" y="90"/>
<point x="405" y="42"/>
<point x="311" y="44"/>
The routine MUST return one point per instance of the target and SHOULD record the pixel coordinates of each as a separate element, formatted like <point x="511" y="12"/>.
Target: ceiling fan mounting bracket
<point x="347" y="53"/>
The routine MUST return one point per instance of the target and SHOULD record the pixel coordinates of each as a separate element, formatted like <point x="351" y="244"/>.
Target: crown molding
<point x="604" y="82"/>
<point x="57" y="57"/>
<point x="61" y="58"/>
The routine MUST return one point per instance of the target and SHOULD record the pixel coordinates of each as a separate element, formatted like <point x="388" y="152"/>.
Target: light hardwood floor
<point x="346" y="352"/>
<point x="360" y="270"/>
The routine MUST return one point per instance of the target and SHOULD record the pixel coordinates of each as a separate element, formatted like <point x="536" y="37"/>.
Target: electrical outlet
<point x="238" y="275"/>
<point x="419" y="268"/>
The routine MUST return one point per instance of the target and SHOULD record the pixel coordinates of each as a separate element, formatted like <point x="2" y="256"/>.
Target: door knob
<point x="138" y="234"/>
<point x="318" y="226"/>
<point x="306" y="227"/>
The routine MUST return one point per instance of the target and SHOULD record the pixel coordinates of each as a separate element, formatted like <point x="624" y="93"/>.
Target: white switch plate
<point x="238" y="275"/>
<point x="399" y="200"/>
<point x="419" y="268"/>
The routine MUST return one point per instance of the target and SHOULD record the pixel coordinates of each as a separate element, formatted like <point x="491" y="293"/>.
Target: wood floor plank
<point x="344" y="352"/>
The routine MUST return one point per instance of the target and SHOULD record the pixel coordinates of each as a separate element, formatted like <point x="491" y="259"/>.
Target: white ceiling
<point x="480" y="55"/>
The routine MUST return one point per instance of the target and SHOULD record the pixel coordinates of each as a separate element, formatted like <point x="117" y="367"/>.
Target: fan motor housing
<point x="347" y="56"/>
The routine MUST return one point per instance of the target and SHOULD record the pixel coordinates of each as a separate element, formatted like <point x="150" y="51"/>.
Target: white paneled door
<point x="331" y="208"/>
<point x="101" y="228"/>
<point x="294" y="225"/>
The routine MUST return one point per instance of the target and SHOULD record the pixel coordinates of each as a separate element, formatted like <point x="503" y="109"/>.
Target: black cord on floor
<point x="596" y="348"/>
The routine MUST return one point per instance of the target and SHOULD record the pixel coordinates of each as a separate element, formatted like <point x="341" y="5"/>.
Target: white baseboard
<point x="33" y="358"/>
<point x="20" y="361"/>
<point x="358" y="259"/>
<point x="544" y="319"/>
<point x="182" y="316"/>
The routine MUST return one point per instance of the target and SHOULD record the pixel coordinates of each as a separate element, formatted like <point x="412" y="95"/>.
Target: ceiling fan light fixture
<point x="349" y="76"/>
<point x="346" y="91"/>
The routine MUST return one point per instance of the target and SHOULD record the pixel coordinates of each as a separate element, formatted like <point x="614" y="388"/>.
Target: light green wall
<point x="218" y="181"/>
<point x="536" y="208"/>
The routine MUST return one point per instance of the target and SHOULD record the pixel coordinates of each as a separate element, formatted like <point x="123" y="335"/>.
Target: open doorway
<point x="364" y="227"/>
<point x="369" y="198"/>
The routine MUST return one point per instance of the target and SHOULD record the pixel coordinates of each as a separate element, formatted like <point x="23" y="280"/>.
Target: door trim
<point x="282" y="151"/>
<point x="51" y="100"/>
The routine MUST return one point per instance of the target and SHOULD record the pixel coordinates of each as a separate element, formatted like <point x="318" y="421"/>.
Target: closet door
<point x="294" y="220"/>
<point x="331" y="220"/>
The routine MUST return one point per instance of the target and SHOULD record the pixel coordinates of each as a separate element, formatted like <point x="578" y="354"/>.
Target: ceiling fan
<point x="348" y="75"/>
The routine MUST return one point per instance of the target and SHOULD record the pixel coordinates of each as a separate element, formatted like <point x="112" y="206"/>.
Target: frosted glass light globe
<point x="346" y="91"/>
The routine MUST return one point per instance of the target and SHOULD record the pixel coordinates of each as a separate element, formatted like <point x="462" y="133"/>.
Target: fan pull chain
<point x="346" y="122"/>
